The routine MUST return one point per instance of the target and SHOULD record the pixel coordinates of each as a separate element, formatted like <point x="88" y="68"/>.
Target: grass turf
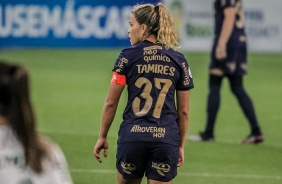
<point x="68" y="89"/>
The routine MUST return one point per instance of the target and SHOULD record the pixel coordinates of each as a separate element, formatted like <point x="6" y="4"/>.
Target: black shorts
<point x="157" y="160"/>
<point x="234" y="64"/>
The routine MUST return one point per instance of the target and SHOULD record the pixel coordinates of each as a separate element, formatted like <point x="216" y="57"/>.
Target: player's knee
<point x="238" y="91"/>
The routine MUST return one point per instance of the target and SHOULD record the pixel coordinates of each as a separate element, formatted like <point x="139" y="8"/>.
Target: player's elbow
<point x="110" y="104"/>
<point x="183" y="113"/>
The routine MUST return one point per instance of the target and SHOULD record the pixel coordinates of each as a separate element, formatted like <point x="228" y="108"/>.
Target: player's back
<point x="153" y="73"/>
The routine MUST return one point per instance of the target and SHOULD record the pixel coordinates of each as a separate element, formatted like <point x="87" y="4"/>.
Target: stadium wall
<point x="104" y="23"/>
<point x="263" y="21"/>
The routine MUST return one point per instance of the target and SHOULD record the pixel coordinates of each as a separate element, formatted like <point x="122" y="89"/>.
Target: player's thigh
<point x="121" y="180"/>
<point x="131" y="160"/>
<point x="158" y="182"/>
<point x="162" y="163"/>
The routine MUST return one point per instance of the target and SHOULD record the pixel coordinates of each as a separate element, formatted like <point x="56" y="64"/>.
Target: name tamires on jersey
<point x="153" y="72"/>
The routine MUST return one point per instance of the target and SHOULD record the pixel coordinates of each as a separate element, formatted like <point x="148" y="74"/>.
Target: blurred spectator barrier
<point x="65" y="23"/>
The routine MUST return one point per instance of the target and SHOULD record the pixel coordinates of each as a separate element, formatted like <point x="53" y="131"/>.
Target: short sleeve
<point x="56" y="169"/>
<point x="121" y="63"/>
<point x="185" y="81"/>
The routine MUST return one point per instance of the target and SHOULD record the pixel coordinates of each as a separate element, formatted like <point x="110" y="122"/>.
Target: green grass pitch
<point x="69" y="87"/>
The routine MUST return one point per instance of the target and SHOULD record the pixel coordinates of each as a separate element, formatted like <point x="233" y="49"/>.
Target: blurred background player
<point x="152" y="135"/>
<point x="25" y="156"/>
<point x="229" y="59"/>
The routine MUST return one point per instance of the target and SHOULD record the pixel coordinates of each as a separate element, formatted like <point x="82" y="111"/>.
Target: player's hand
<point x="181" y="157"/>
<point x="102" y="143"/>
<point x="220" y="52"/>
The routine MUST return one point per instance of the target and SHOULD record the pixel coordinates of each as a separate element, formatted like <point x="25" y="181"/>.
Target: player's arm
<point x="110" y="107"/>
<point x="183" y="120"/>
<point x="108" y="114"/>
<point x="226" y="30"/>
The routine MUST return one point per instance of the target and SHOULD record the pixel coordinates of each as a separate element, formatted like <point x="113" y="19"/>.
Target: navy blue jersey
<point x="238" y="36"/>
<point x="153" y="73"/>
<point x="236" y="48"/>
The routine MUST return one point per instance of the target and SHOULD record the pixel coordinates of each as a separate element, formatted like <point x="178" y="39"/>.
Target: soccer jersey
<point x="236" y="48"/>
<point x="13" y="169"/>
<point x="153" y="72"/>
<point x="238" y="37"/>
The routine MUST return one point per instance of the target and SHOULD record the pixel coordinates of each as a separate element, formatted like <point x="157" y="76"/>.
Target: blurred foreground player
<point x="151" y="137"/>
<point x="229" y="60"/>
<point x="25" y="156"/>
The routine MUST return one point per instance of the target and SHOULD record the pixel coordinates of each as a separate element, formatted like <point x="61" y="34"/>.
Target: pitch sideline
<point x="213" y="175"/>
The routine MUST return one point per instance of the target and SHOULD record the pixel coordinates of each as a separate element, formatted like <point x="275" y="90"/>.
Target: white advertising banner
<point x="264" y="24"/>
<point x="194" y="23"/>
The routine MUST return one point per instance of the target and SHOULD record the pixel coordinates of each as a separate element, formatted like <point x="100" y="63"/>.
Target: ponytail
<point x="166" y="34"/>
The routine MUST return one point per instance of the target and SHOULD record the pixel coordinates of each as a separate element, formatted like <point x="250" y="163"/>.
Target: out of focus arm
<point x="59" y="171"/>
<point x="226" y="30"/>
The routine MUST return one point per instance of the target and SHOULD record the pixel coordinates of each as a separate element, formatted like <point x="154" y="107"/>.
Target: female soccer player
<point x="229" y="59"/>
<point x="25" y="157"/>
<point x="151" y="137"/>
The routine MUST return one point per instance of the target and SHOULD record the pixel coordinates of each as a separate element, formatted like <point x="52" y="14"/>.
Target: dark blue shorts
<point x="234" y="64"/>
<point x="157" y="160"/>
